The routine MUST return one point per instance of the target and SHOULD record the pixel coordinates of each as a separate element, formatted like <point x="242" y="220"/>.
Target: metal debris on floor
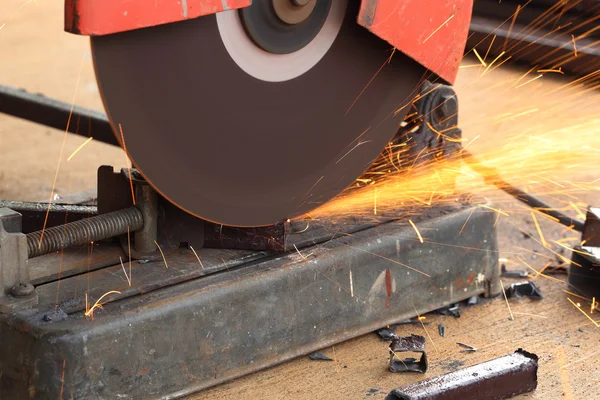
<point x="414" y="321"/>
<point x="316" y="356"/>
<point x="500" y="378"/>
<point x="467" y="348"/>
<point x="387" y="333"/>
<point x="453" y="310"/>
<point x="474" y="300"/>
<point x="525" y="288"/>
<point x="413" y="344"/>
<point x="513" y="273"/>
<point x="442" y="329"/>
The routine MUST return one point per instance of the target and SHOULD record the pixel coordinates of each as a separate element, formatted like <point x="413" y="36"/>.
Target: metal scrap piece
<point x="316" y="356"/>
<point x="473" y="300"/>
<point x="414" y="344"/>
<point x="452" y="309"/>
<point x="515" y="273"/>
<point x="442" y="330"/>
<point x="387" y="333"/>
<point x="468" y="348"/>
<point x="501" y="378"/>
<point x="526" y="288"/>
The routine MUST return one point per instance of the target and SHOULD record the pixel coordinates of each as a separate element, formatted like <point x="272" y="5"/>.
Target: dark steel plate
<point x="240" y="151"/>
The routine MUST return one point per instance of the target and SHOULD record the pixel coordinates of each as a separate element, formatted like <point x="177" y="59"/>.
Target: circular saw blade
<point x="242" y="150"/>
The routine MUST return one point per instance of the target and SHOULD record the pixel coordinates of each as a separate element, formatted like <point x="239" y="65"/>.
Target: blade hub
<point x="294" y="11"/>
<point x="284" y="26"/>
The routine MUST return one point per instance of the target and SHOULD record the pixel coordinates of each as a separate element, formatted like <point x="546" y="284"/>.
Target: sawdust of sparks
<point x="89" y="311"/>
<point x="81" y="146"/>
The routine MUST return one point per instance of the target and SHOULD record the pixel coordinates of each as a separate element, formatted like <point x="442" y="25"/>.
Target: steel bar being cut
<point x="497" y="379"/>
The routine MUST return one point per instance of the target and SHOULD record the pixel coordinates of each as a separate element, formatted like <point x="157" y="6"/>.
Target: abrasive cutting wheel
<point x="250" y="117"/>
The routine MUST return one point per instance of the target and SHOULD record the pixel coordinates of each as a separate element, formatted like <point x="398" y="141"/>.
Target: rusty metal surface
<point x="244" y="151"/>
<point x="83" y="231"/>
<point x="497" y="379"/>
<point x="56" y="114"/>
<point x="91" y="18"/>
<point x="270" y="238"/>
<point x="167" y="341"/>
<point x="435" y="39"/>
<point x="74" y="261"/>
<point x="34" y="214"/>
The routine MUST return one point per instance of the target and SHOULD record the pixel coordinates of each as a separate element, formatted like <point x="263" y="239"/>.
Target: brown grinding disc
<point x="237" y="150"/>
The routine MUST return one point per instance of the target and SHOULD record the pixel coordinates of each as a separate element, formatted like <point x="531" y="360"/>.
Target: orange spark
<point x="538" y="273"/>
<point x="537" y="226"/>
<point x="375" y="203"/>
<point x="479" y="57"/>
<point x="79" y="148"/>
<point x="492" y="63"/>
<point x="438" y="28"/>
<point x="62" y="385"/>
<point x="161" y="253"/>
<point x="127" y="162"/>
<point x="302" y="256"/>
<point x="512" y="318"/>
<point x="529" y="81"/>
<point x="593" y="306"/>
<point x="558" y="71"/>
<point x="416" y="230"/>
<point x="351" y="285"/>
<point x="97" y="304"/>
<point x="123" y="266"/>
<point x="489" y="47"/>
<point x="198" y="258"/>
<point x="583" y="312"/>
<point x="390" y="260"/>
<point x="420" y="319"/>
<point x="574" y="45"/>
<point x="512" y="24"/>
<point x="494" y="209"/>
<point x="62" y="148"/>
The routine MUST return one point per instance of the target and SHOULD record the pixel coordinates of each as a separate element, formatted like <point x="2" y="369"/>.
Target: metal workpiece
<point x="501" y="378"/>
<point x="84" y="231"/>
<point x="196" y="326"/>
<point x="56" y="114"/>
<point x="34" y="213"/>
<point x="16" y="291"/>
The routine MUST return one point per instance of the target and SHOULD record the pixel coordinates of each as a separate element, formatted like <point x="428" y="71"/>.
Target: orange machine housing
<point x="432" y="32"/>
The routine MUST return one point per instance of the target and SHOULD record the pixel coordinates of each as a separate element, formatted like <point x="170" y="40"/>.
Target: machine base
<point x="187" y="327"/>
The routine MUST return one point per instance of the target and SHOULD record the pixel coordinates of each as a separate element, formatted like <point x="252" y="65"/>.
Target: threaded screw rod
<point x="84" y="231"/>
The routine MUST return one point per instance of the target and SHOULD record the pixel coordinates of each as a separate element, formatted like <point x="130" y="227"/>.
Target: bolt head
<point x="22" y="290"/>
